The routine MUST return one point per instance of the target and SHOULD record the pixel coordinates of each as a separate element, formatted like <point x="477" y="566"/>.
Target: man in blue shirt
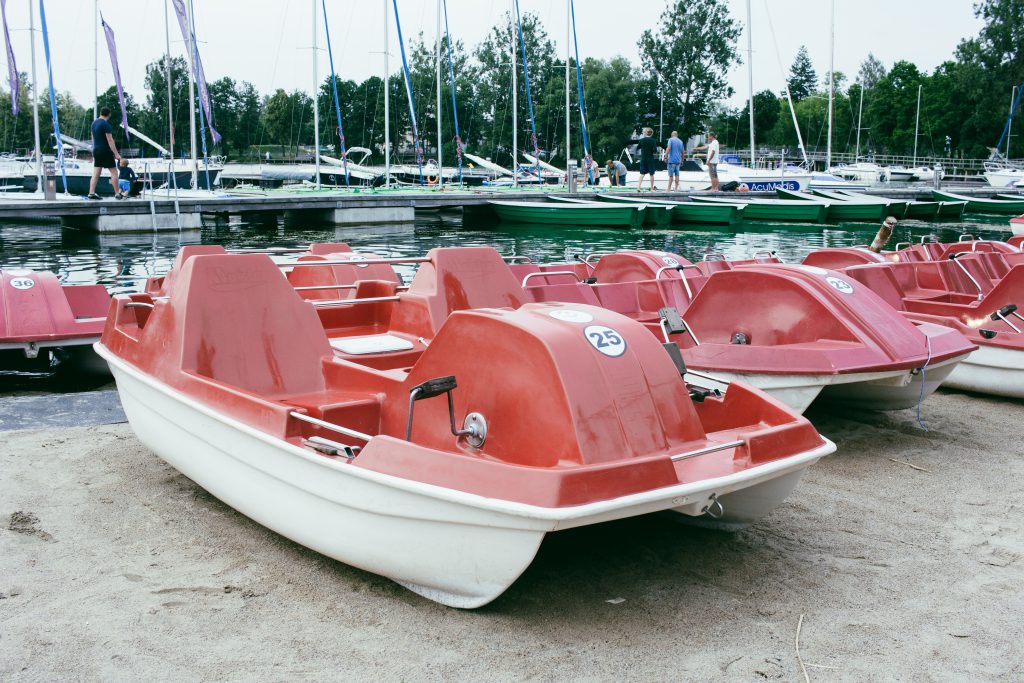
<point x="674" y="159"/>
<point x="104" y="153"/>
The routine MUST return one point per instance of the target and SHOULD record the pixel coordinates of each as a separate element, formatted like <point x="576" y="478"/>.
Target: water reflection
<point x="122" y="262"/>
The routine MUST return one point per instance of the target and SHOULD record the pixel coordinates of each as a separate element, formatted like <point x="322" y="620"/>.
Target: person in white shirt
<point x="712" y="160"/>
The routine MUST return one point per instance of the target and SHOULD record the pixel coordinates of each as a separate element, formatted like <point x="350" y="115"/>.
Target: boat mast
<point x="831" y="78"/>
<point x="860" y="120"/>
<point x="191" y="93"/>
<point x="437" y="69"/>
<point x="35" y="99"/>
<point x="1009" y="121"/>
<point x="316" y="107"/>
<point x="387" y="103"/>
<point x="515" y="98"/>
<point x="568" y="46"/>
<point x="167" y="75"/>
<point x="750" y="81"/>
<point x="917" y="124"/>
<point x="95" y="60"/>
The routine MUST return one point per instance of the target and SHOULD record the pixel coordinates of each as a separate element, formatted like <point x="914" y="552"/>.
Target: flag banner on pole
<point x="12" y="67"/>
<point x="197" y="67"/>
<point x="109" y="32"/>
<point x="53" y="96"/>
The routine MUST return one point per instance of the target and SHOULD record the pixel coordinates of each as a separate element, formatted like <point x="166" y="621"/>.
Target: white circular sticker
<point x="840" y="284"/>
<point x="606" y="340"/>
<point x="669" y="261"/>
<point x="359" y="257"/>
<point x="23" y="283"/>
<point x="570" y="316"/>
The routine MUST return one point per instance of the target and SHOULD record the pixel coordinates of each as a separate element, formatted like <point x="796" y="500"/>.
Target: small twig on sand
<point x="910" y="465"/>
<point x="821" y="666"/>
<point x="799" y="625"/>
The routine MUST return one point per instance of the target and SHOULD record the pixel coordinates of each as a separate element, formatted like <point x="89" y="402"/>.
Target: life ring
<point x="431" y="180"/>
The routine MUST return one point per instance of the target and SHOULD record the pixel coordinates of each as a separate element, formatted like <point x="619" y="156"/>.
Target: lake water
<point x="122" y="262"/>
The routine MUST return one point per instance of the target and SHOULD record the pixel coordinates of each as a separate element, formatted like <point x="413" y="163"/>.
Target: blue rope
<point x="1006" y="128"/>
<point x="408" y="92"/>
<point x="451" y="77"/>
<point x="337" y="104"/>
<point x="53" y="98"/>
<point x="529" y="97"/>
<point x="588" y="161"/>
<point x="202" y="116"/>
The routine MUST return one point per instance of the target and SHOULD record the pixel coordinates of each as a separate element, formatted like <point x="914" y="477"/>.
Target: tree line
<point x="681" y="79"/>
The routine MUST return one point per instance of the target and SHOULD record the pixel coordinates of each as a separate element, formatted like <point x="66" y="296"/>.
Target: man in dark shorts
<point x="648" y="150"/>
<point x="104" y="153"/>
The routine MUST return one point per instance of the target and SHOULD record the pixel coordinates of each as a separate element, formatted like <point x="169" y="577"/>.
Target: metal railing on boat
<point x="707" y="449"/>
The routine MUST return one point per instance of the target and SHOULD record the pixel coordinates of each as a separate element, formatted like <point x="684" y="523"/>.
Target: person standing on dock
<point x="648" y="149"/>
<point x="674" y="159"/>
<point x="104" y="153"/>
<point x="712" y="161"/>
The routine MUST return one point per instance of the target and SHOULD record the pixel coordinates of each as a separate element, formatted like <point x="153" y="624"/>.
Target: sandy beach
<point x="899" y="557"/>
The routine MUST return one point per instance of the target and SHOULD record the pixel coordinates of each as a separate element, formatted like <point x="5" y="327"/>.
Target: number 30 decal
<point x="606" y="340"/>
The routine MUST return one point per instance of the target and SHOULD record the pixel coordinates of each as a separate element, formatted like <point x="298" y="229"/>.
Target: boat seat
<point x="371" y="343"/>
<point x="245" y="326"/>
<point x="574" y="293"/>
<point x="709" y="267"/>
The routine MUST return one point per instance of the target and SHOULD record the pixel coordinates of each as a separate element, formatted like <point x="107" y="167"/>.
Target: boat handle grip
<point x="707" y="449"/>
<point x="544" y="273"/>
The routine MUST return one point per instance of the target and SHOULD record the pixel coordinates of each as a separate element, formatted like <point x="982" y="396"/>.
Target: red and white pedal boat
<point x="971" y="286"/>
<point x="440" y="464"/>
<point x="45" y="322"/>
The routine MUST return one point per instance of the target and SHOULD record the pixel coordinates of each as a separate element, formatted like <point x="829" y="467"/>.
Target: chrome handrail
<point x="330" y="425"/>
<point x="719" y="257"/>
<point x="544" y="273"/>
<point x="707" y="449"/>
<point x="307" y="264"/>
<point x="680" y="267"/>
<point x="344" y="302"/>
<point x="352" y="286"/>
<point x="952" y="257"/>
<point x="521" y="259"/>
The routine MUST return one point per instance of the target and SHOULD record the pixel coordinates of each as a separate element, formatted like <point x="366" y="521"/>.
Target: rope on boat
<point x="451" y="77"/>
<point x="408" y="92"/>
<point x="53" y="98"/>
<point x="588" y="160"/>
<point x="529" y="98"/>
<point x="920" y="398"/>
<point x="334" y="87"/>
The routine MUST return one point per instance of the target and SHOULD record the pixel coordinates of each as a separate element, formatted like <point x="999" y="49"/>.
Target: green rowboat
<point x="775" y="209"/>
<point x="893" y="207"/>
<point x="1010" y="197"/>
<point x="979" y="205"/>
<point x="840" y="209"/>
<point x="654" y="215"/>
<point x="568" y="215"/>
<point x="687" y="212"/>
<point x="951" y="209"/>
<point x="925" y="211"/>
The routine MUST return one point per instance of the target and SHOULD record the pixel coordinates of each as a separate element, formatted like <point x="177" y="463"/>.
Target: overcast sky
<point x="267" y="41"/>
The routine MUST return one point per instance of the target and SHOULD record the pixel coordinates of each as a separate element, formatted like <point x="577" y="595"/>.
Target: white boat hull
<point x="990" y="370"/>
<point x="459" y="549"/>
<point x="888" y="390"/>
<point x="1007" y="177"/>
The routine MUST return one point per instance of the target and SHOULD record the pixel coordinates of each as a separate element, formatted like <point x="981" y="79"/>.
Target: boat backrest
<point x="243" y="325"/>
<point x="455" y="279"/>
<point x="841" y="257"/>
<point x="321" y="248"/>
<point x="570" y="293"/>
<point x="87" y="301"/>
<point x="163" y="285"/>
<point x="320" y="276"/>
<point x="961" y="282"/>
<point x="1016" y="241"/>
<point x="881" y="279"/>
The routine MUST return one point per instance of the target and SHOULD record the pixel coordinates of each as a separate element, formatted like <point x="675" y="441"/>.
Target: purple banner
<point x="198" y="73"/>
<point x="117" y="74"/>
<point x="12" y="68"/>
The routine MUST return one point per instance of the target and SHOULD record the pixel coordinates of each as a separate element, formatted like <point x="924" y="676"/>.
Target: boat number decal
<point x="669" y="261"/>
<point x="606" y="340"/>
<point x="23" y="283"/>
<point x="840" y="284"/>
<point x="570" y="316"/>
<point x="359" y="257"/>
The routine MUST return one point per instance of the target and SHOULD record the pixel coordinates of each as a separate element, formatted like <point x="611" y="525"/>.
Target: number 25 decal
<point x="606" y="340"/>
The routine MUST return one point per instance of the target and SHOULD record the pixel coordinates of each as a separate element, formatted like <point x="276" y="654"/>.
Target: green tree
<point x="691" y="53"/>
<point x="154" y="119"/>
<point x="871" y="71"/>
<point x="766" y="116"/>
<point x="611" y="106"/>
<point x="802" y="77"/>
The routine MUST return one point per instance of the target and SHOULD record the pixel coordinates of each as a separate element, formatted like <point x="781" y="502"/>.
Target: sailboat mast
<point x="437" y="69"/>
<point x="316" y="105"/>
<point x="1009" y="121"/>
<point x="568" y="45"/>
<point x="917" y="124"/>
<point x="831" y="78"/>
<point x="191" y="94"/>
<point x="35" y="99"/>
<point x="95" y="59"/>
<point x="750" y="81"/>
<point x="860" y="120"/>
<point x="515" y="102"/>
<point x="387" y="103"/>
<point x="170" y="83"/>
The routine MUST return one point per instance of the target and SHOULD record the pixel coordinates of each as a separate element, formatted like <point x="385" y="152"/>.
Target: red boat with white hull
<point x="438" y="463"/>
<point x="43" y="321"/>
<point x="969" y="286"/>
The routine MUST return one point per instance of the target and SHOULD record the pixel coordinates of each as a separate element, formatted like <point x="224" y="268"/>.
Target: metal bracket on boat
<point x="320" y="444"/>
<point x="672" y="323"/>
<point x="31" y="350"/>
<point x="332" y="448"/>
<point x="474" y="427"/>
<point x="138" y="304"/>
<point x="764" y="253"/>
<point x="1009" y="309"/>
<point x="953" y="258"/>
<point x="714" y="508"/>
